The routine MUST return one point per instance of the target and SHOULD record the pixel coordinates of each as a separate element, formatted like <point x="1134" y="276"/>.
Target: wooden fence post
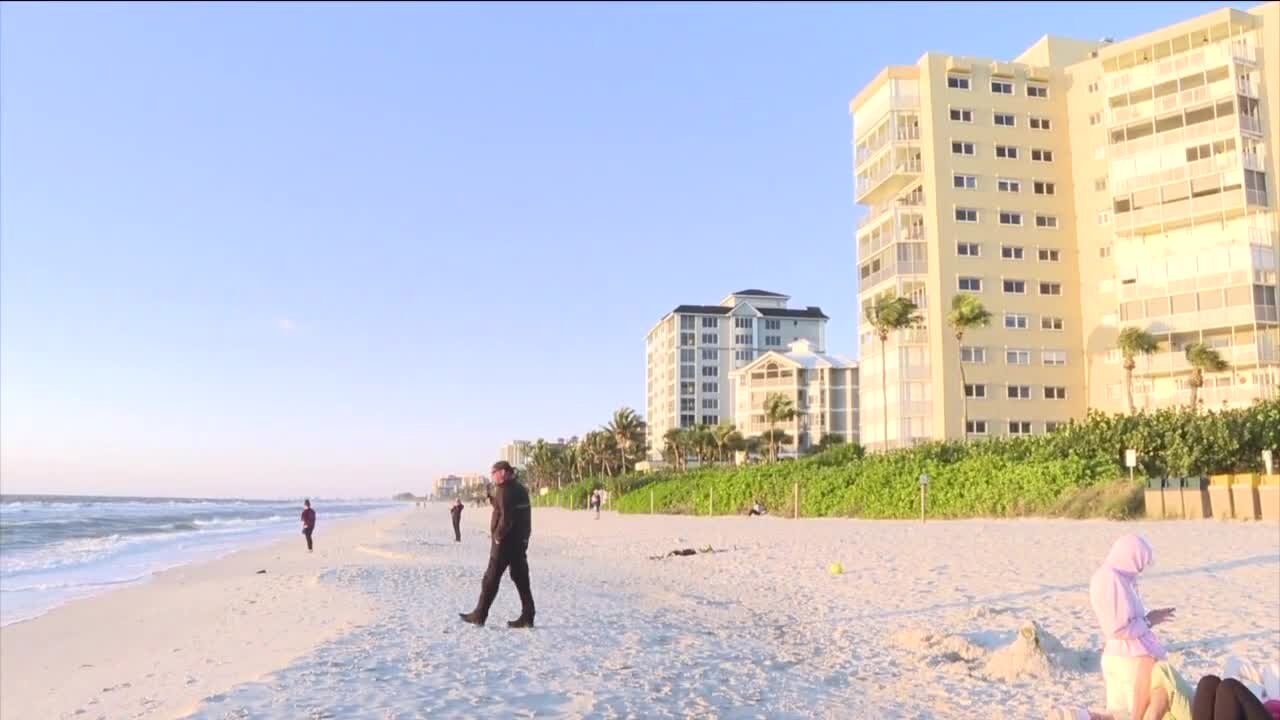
<point x="796" y="493"/>
<point x="650" y="502"/>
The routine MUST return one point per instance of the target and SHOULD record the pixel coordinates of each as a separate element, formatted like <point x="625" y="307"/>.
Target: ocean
<point x="56" y="548"/>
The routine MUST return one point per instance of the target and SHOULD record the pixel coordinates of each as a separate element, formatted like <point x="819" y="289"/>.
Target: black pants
<point x="502" y="557"/>
<point x="307" y="532"/>
<point x="457" y="528"/>
<point x="1218" y="699"/>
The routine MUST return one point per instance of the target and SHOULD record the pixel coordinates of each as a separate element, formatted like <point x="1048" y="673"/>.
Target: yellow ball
<point x="836" y="569"/>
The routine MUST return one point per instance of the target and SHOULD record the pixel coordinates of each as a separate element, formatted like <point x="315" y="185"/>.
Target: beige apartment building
<point x="1081" y="188"/>
<point x="822" y="388"/>
<point x="692" y="350"/>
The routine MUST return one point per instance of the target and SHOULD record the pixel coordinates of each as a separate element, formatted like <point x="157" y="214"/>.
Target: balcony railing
<point x="876" y="210"/>
<point x="1251" y="124"/>
<point x="867" y="183"/>
<point x="901" y="135"/>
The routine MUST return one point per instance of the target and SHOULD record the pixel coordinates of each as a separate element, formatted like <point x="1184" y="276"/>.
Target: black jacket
<point x="455" y="511"/>
<point x="511" y="521"/>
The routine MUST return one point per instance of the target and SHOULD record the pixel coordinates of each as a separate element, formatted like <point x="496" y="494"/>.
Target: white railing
<point x="1251" y="124"/>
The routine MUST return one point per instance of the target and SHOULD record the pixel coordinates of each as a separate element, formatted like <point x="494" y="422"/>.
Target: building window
<point x="711" y="322"/>
<point x="710" y="387"/>
<point x="1104" y="251"/>
<point x="687" y="322"/>
<point x="1017" y="357"/>
<point x="1054" y="358"/>
<point x="1001" y="87"/>
<point x="687" y="372"/>
<point x="687" y="355"/>
<point x="1100" y="184"/>
<point x="968" y="249"/>
<point x="1055" y="392"/>
<point x="772" y="324"/>
<point x="710" y="371"/>
<point x="1038" y="155"/>
<point x="961" y="147"/>
<point x="688" y="421"/>
<point x="1093" y="87"/>
<point x="977" y="392"/>
<point x="1041" y="123"/>
<point x="688" y="388"/>
<point x="688" y="404"/>
<point x="966" y="215"/>
<point x="1095" y="118"/>
<point x="710" y="404"/>
<point x="1007" y="152"/>
<point x="1104" y="217"/>
<point x="1015" y="287"/>
<point x="688" y="339"/>
<point x="1015" y="321"/>
<point x="961" y="115"/>
<point x="958" y="82"/>
<point x="975" y="427"/>
<point x="1047" y="222"/>
<point x="971" y="284"/>
<point x="973" y="355"/>
<point x="1008" y="185"/>
<point x="1037" y="91"/>
<point x="744" y="323"/>
<point x="1050" y="322"/>
<point x="964" y="182"/>
<point x="1011" y="252"/>
<point x="743" y="340"/>
<point x="1018" y="392"/>
<point x="1009" y="217"/>
<point x="1004" y="119"/>
<point x="773" y="340"/>
<point x="710" y="338"/>
<point x="1019" y="427"/>
<point x="710" y="354"/>
<point x="1041" y="187"/>
<point x="1050" y="288"/>
<point x="742" y="355"/>
<point x="1052" y="425"/>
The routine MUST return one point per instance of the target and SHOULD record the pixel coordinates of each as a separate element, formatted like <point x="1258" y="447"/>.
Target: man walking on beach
<point x="510" y="527"/>
<point x="456" y="512"/>
<point x="308" y="521"/>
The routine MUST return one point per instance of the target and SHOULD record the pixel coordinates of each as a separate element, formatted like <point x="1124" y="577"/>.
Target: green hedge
<point x="1076" y="469"/>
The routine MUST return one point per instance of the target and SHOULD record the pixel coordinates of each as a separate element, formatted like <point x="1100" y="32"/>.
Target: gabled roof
<point x="808" y="313"/>
<point x="760" y="293"/>
<point x="806" y="360"/>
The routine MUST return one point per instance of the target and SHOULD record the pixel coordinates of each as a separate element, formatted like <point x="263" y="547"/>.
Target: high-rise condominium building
<point x="1083" y="188"/>
<point x="823" y="390"/>
<point x="691" y="351"/>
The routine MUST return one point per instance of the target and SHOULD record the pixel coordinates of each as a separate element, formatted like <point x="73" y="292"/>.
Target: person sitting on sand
<point x="756" y="509"/>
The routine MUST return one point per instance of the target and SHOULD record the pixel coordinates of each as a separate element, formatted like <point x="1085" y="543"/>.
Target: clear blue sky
<point x="338" y="249"/>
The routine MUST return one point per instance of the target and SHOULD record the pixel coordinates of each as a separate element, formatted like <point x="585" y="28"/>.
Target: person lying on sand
<point x="756" y="509"/>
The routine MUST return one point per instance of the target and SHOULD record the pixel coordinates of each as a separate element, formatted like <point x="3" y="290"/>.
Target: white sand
<point x="923" y="624"/>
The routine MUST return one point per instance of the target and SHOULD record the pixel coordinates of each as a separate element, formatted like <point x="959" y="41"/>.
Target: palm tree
<point x="777" y="408"/>
<point x="623" y="428"/>
<point x="1131" y="343"/>
<point x="967" y="313"/>
<point x="723" y="434"/>
<point x="675" y="443"/>
<point x="774" y="439"/>
<point x="887" y="314"/>
<point x="1203" y="358"/>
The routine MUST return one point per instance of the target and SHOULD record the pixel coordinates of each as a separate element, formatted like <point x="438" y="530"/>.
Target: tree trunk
<point x="1197" y="379"/>
<point x="884" y="390"/>
<point x="964" y="397"/>
<point x="1128" y="382"/>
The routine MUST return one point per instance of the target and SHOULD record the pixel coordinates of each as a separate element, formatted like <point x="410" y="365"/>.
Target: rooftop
<point x="809" y="312"/>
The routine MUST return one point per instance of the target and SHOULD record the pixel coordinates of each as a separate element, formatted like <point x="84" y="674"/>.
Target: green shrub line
<point x="1076" y="471"/>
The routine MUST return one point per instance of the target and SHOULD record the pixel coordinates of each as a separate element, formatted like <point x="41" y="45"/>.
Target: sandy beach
<point x="366" y="627"/>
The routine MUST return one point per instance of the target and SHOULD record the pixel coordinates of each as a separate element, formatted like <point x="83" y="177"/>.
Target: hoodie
<point x="1113" y="592"/>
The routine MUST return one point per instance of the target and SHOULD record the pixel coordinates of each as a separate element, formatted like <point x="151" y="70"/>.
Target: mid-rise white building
<point x="692" y="350"/>
<point x="823" y="390"/>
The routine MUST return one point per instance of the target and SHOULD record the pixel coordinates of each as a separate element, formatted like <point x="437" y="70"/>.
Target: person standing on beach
<point x="308" y="521"/>
<point x="510" y="527"/>
<point x="456" y="512"/>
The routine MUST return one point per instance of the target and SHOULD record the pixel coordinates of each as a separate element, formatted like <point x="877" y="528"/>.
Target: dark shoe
<point x="472" y="618"/>
<point x="520" y="624"/>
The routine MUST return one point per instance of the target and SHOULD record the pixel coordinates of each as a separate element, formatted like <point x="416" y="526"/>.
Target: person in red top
<point x="308" y="521"/>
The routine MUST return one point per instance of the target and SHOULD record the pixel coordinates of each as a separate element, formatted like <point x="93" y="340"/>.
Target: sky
<point x="268" y="250"/>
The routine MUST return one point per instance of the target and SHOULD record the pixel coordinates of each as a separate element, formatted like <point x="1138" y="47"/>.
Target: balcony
<point x="877" y="210"/>
<point x="1237" y="356"/>
<point x="898" y="128"/>
<point x="889" y="177"/>
<point x="905" y="225"/>
<point x="1251" y="124"/>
